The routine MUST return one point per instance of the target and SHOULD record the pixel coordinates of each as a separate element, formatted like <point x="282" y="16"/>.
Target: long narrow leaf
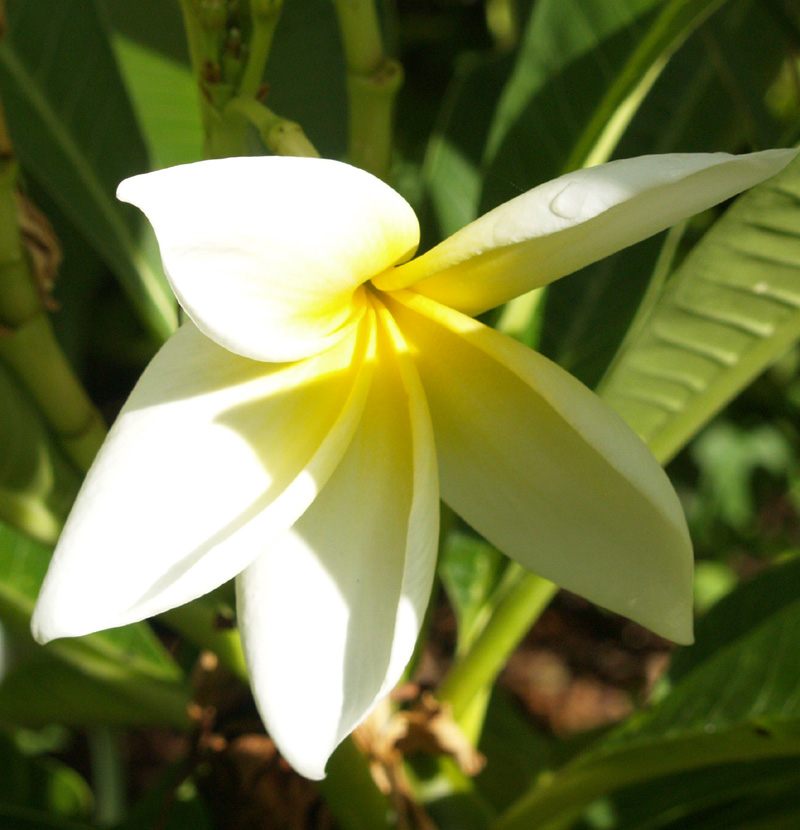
<point x="75" y="132"/>
<point x="731" y="309"/>
<point x="736" y="697"/>
<point x="709" y="97"/>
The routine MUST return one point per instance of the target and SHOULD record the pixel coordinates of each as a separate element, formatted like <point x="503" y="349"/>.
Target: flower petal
<point x="575" y="220"/>
<point x="212" y="457"/>
<point x="266" y="254"/>
<point x="548" y="473"/>
<point x="331" y="612"/>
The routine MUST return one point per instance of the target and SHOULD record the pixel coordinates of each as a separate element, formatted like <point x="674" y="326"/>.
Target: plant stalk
<point x="373" y="80"/>
<point x="28" y="344"/>
<point x="522" y="601"/>
<point x="265" y="16"/>
<point x="280" y="136"/>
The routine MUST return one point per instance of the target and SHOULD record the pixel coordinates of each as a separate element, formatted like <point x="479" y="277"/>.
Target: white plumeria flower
<point x="298" y="433"/>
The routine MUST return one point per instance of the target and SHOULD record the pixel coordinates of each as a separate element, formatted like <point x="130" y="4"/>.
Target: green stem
<point x="28" y="345"/>
<point x="265" y="16"/>
<point x="361" y="35"/>
<point x="280" y="136"/>
<point x="199" y="54"/>
<point x="35" y="357"/>
<point x="372" y="100"/>
<point x="351" y="793"/>
<point x="198" y="622"/>
<point x="108" y="774"/>
<point x="373" y="80"/>
<point x="195" y="37"/>
<point x="524" y="598"/>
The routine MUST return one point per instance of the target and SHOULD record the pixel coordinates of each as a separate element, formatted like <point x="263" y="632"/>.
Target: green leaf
<point x="731" y="309"/>
<point x="587" y="314"/>
<point x="123" y="676"/>
<point x="150" y="45"/>
<point x="75" y="132"/>
<point x="517" y="753"/>
<point x="709" y="97"/>
<point x="734" y="696"/>
<point x="41" y="783"/>
<point x="714" y="798"/>
<point x="37" y="484"/>
<point x="452" y="171"/>
<point x="571" y="54"/>
<point x="164" y="95"/>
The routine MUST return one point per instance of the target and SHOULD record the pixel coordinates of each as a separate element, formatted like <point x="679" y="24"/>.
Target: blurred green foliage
<point x="499" y="96"/>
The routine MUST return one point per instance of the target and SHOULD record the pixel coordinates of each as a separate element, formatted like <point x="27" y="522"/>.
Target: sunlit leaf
<point x="731" y="309"/>
<point x="164" y="95"/>
<point x="709" y="97"/>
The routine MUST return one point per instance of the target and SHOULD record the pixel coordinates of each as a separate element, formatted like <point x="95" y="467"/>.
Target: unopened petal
<point x="537" y="464"/>
<point x="266" y="254"/>
<point x="212" y="457"/>
<point x="575" y="220"/>
<point x="331" y="612"/>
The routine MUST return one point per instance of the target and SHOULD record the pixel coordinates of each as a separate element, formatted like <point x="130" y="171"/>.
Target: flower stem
<point x="200" y="53"/>
<point x="265" y="15"/>
<point x="524" y="596"/>
<point x="227" y="70"/>
<point x="281" y="137"/>
<point x="35" y="357"/>
<point x="198" y="622"/>
<point x="373" y="80"/>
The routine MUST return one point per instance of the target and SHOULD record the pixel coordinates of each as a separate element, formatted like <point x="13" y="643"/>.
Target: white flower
<point x="297" y="433"/>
